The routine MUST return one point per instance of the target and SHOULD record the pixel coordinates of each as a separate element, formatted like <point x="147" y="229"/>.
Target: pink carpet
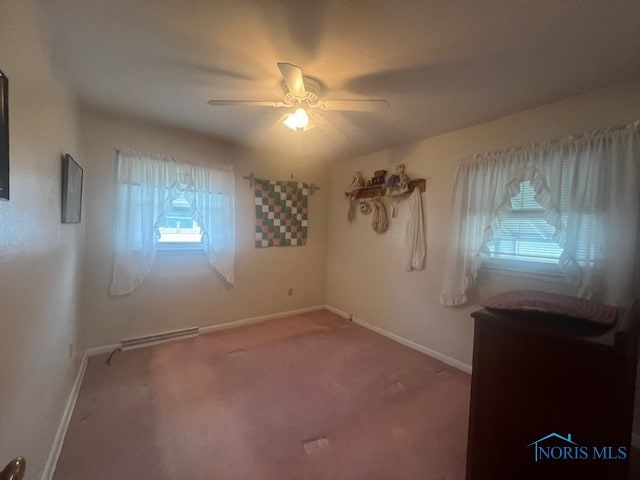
<point x="305" y="397"/>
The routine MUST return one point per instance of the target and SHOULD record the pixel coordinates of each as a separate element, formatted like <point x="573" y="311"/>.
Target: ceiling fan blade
<point x="244" y="103"/>
<point x="274" y="127"/>
<point x="368" y="105"/>
<point x="292" y="76"/>
<point x="310" y="126"/>
<point x="326" y="125"/>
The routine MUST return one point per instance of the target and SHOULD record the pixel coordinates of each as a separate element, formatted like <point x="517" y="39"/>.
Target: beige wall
<point x="365" y="270"/>
<point x="347" y="266"/>
<point x="39" y="256"/>
<point x="181" y="291"/>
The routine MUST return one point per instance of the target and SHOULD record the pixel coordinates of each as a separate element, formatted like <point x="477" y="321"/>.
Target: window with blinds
<point x="525" y="235"/>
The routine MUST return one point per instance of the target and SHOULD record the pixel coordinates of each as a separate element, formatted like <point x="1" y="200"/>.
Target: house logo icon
<point x="566" y="450"/>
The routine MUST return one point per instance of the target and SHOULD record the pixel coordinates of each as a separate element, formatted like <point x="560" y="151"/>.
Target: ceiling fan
<point x="303" y="97"/>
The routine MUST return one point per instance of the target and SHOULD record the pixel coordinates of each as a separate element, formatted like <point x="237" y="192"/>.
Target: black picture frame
<point x="72" y="178"/>
<point x="4" y="137"/>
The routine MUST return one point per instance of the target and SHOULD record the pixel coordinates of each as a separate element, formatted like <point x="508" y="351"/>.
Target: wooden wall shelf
<point x="381" y="190"/>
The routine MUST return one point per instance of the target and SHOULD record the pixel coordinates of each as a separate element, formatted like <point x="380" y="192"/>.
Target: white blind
<point x="525" y="234"/>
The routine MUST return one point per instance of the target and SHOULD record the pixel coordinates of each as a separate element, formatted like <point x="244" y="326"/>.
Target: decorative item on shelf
<point x="380" y="222"/>
<point x="369" y="198"/>
<point x="373" y="191"/>
<point x="378" y="178"/>
<point x="357" y="182"/>
<point x="398" y="182"/>
<point x="365" y="207"/>
<point x="397" y="186"/>
<point x="351" y="193"/>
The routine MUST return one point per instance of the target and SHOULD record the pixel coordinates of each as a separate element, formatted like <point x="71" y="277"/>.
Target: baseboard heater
<point x="158" y="337"/>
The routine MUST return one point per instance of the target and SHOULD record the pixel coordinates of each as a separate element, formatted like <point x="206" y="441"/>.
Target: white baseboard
<point x="405" y="341"/>
<point x="52" y="461"/>
<point x="210" y="328"/>
<point x="337" y="312"/>
<point x="102" y="349"/>
<point x="262" y="318"/>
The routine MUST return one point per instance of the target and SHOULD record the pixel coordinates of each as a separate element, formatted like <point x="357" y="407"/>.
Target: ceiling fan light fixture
<point x="297" y="120"/>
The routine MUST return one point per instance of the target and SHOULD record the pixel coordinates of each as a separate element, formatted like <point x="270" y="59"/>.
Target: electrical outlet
<point x="290" y="291"/>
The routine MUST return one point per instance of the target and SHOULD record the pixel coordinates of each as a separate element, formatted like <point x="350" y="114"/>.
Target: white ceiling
<point x="442" y="65"/>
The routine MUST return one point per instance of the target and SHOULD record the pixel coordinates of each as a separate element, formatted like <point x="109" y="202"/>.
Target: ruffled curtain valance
<point x="146" y="186"/>
<point x="589" y="187"/>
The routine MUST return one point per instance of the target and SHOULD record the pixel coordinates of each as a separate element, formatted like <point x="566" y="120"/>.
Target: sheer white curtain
<point x="589" y="187"/>
<point x="141" y="188"/>
<point x="215" y="212"/>
<point x="145" y="186"/>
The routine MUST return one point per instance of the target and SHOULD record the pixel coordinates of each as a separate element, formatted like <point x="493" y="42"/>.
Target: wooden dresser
<point x="536" y="377"/>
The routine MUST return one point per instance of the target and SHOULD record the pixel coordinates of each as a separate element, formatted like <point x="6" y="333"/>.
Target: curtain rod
<point x="165" y="158"/>
<point x="157" y="156"/>
<point x="252" y="178"/>
<point x="554" y="142"/>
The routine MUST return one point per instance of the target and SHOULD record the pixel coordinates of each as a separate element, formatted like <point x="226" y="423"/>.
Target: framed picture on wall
<point x="71" y="190"/>
<point x="4" y="137"/>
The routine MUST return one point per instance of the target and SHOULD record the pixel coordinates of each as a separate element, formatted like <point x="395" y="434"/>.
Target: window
<point x="524" y="237"/>
<point x="162" y="204"/>
<point x="181" y="230"/>
<point x="589" y="187"/>
<point x="525" y="240"/>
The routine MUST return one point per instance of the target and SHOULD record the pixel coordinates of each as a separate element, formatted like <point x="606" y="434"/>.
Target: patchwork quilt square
<point x="281" y="213"/>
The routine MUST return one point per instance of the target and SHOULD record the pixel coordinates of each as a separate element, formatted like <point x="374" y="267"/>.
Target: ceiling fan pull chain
<point x="300" y="130"/>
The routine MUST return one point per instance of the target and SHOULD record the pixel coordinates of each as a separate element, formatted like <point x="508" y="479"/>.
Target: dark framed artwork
<point x="71" y="190"/>
<point x="4" y="137"/>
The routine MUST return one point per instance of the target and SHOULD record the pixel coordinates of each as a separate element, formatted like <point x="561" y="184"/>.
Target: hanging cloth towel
<point x="415" y="241"/>
<point x="380" y="221"/>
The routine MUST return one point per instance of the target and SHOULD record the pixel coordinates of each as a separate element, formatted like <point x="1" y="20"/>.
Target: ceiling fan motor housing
<point x="313" y="93"/>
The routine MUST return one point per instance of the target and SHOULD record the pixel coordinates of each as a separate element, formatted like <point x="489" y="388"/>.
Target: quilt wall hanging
<point x="282" y="210"/>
